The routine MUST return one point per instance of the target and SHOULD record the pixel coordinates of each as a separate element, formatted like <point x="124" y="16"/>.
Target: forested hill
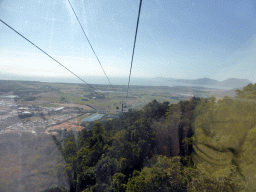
<point x="230" y="83"/>
<point x="116" y="155"/>
<point x="147" y="150"/>
<point x="150" y="149"/>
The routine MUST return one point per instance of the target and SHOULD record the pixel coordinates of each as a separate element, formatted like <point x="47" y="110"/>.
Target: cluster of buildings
<point x="33" y="119"/>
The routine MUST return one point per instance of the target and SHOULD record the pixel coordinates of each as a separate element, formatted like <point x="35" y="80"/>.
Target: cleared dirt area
<point x="69" y="126"/>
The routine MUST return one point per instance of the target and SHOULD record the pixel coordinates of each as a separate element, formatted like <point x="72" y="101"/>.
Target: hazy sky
<point x="176" y="38"/>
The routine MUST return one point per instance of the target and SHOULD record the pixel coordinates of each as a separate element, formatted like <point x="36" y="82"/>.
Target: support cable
<point x="90" y="44"/>
<point x="134" y="48"/>
<point x="50" y="57"/>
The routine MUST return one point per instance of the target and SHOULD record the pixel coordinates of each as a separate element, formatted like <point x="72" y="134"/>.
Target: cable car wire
<point x="50" y="57"/>
<point x="90" y="43"/>
<point x="134" y="48"/>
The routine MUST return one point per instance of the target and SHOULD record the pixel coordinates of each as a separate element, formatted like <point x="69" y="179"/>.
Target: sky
<point x="185" y="39"/>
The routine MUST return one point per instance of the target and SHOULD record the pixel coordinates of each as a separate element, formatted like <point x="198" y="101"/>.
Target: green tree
<point x="155" y="109"/>
<point x="248" y="92"/>
<point x="117" y="183"/>
<point x="69" y="151"/>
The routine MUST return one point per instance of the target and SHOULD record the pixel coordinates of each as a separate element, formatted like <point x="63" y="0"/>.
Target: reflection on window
<point x="184" y="122"/>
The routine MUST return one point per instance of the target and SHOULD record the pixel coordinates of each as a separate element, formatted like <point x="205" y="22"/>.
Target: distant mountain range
<point x="231" y="83"/>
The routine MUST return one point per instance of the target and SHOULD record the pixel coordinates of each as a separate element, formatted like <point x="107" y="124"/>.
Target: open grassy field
<point x="81" y="96"/>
